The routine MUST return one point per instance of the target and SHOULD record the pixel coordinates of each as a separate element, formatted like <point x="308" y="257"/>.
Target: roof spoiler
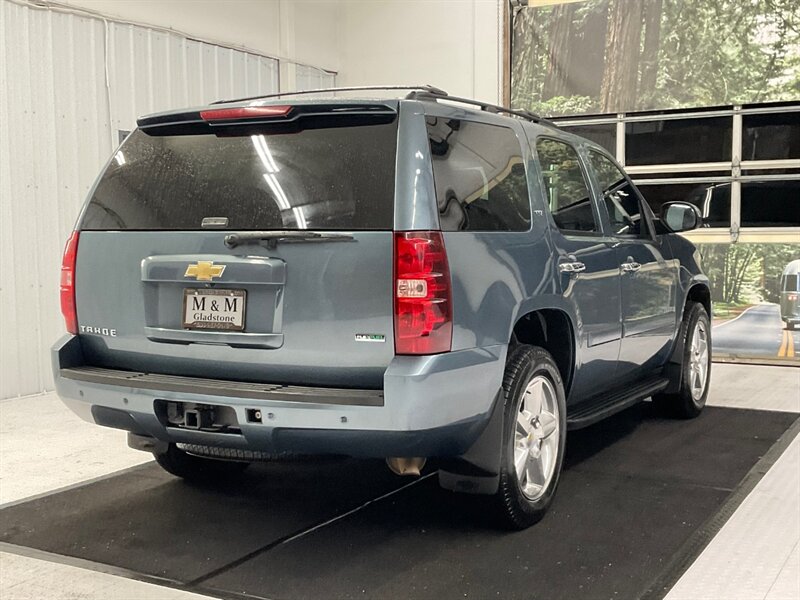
<point x="284" y="117"/>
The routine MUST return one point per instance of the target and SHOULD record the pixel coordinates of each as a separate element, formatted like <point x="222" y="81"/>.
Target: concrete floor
<point x="756" y="555"/>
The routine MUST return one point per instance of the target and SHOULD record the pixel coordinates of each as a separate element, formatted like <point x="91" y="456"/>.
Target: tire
<point x="196" y="468"/>
<point x="521" y="500"/>
<point x="695" y="372"/>
<point x="790" y="326"/>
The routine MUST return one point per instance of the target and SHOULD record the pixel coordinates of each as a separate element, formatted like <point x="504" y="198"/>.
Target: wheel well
<point x="700" y="293"/>
<point x="550" y="329"/>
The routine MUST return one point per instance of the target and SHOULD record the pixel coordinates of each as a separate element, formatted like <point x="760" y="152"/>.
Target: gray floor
<point x="755" y="555"/>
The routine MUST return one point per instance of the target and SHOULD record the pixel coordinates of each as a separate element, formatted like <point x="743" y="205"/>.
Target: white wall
<point x="59" y="116"/>
<point x="452" y="44"/>
<point x="70" y="82"/>
<point x="300" y="30"/>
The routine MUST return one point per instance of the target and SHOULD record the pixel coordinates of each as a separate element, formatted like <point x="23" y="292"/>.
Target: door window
<point x="619" y="196"/>
<point x="567" y="192"/>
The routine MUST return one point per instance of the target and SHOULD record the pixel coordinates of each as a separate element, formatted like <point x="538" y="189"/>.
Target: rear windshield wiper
<point x="271" y="238"/>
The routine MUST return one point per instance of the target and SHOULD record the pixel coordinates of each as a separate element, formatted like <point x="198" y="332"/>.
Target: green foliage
<point x="709" y="52"/>
<point x="746" y="273"/>
<point x="560" y="105"/>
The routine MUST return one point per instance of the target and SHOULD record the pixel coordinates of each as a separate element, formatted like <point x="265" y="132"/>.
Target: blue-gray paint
<point x="308" y="302"/>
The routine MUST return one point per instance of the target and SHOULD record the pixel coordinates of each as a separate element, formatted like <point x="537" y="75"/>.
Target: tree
<point x="652" y="38"/>
<point x="622" y="55"/>
<point x="558" y="52"/>
<point x="623" y="41"/>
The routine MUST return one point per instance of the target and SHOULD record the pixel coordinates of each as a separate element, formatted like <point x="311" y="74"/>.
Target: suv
<point x="405" y="279"/>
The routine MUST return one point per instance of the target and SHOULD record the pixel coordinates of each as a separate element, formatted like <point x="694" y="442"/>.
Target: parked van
<point x="790" y="294"/>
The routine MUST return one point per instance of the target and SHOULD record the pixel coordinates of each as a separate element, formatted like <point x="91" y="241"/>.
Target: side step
<point x="594" y="410"/>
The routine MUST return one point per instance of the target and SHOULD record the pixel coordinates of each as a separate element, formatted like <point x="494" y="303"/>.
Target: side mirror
<point x="681" y="216"/>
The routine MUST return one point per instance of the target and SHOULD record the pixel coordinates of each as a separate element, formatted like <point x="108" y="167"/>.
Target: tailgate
<point x="159" y="290"/>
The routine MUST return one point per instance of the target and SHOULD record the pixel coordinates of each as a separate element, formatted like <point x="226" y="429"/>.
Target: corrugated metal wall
<point x="309" y="78"/>
<point x="68" y="84"/>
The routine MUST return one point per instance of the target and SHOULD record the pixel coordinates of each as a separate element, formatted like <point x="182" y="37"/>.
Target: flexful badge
<point x="204" y="270"/>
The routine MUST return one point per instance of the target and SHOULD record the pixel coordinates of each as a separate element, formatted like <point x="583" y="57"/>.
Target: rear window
<point x="479" y="175"/>
<point x="339" y="178"/>
<point x="790" y="283"/>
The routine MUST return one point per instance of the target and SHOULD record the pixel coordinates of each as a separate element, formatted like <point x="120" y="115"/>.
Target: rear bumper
<point x="429" y="406"/>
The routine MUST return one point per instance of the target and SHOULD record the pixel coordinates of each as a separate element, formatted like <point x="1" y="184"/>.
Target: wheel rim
<point x="536" y="437"/>
<point x="698" y="361"/>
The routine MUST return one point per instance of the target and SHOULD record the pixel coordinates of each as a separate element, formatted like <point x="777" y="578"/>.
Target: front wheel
<point x="695" y="372"/>
<point x="534" y="436"/>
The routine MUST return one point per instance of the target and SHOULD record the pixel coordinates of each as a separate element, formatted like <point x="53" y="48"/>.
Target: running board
<point x="590" y="412"/>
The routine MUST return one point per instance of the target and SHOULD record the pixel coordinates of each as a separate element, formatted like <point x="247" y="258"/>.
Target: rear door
<point x="587" y="263"/>
<point x="649" y="275"/>
<point x="258" y="251"/>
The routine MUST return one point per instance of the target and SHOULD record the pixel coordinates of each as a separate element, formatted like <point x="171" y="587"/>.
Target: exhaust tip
<point x="406" y="465"/>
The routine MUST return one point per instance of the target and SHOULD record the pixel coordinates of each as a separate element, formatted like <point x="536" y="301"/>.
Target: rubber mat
<point x="635" y="489"/>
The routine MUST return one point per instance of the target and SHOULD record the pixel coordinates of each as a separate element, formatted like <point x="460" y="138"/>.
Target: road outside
<point x="758" y="331"/>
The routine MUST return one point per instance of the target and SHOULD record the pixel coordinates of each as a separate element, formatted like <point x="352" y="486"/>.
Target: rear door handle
<point x="572" y="267"/>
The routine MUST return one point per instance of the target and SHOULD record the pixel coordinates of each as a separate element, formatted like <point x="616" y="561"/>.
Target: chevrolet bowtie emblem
<point x="204" y="270"/>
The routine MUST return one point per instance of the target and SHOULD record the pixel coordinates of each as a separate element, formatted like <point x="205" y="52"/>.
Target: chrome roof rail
<point x="423" y="94"/>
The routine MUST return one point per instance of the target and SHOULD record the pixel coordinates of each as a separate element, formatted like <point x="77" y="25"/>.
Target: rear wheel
<point x="534" y="436"/>
<point x="196" y="468"/>
<point x="790" y="326"/>
<point x="695" y="371"/>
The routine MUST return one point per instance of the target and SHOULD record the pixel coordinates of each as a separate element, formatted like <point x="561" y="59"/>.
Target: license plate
<point x="214" y="309"/>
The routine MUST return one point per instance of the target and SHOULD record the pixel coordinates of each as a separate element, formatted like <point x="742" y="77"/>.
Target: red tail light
<point x="245" y="112"/>
<point x="68" y="283"/>
<point x="791" y="297"/>
<point x="423" y="311"/>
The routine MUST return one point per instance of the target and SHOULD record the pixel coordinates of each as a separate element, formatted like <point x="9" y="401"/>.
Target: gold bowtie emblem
<point x="204" y="270"/>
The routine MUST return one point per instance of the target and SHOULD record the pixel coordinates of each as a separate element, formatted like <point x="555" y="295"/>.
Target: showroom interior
<point x="698" y="101"/>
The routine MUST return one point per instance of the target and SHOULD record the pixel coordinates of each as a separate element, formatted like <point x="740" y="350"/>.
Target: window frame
<point x="737" y="170"/>
<point x="645" y="211"/>
<point x="601" y="230"/>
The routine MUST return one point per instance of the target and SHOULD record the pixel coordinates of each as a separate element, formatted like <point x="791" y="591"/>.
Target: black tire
<point x="513" y="507"/>
<point x="196" y="468"/>
<point x="790" y="326"/>
<point x="682" y="403"/>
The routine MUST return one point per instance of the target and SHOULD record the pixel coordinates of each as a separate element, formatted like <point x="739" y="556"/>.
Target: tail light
<point x="423" y="312"/>
<point x="68" y="284"/>
<point x="791" y="297"/>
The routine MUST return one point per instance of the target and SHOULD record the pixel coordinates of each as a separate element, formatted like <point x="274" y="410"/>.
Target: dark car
<point x="407" y="278"/>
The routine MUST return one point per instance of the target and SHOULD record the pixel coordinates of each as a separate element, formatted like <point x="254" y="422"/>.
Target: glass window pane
<point x="771" y="204"/>
<point x="752" y="276"/>
<point x="713" y="199"/>
<point x="678" y="141"/>
<point x="567" y="193"/>
<point x="604" y="135"/>
<point x="619" y="196"/>
<point x="770" y="137"/>
<point x="339" y="178"/>
<point x="479" y="175"/>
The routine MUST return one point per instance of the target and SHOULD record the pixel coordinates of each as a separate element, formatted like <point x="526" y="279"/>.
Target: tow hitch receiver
<point x="198" y="418"/>
<point x="190" y="415"/>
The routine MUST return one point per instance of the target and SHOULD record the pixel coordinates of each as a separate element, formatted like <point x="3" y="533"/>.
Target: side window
<point x="479" y="174"/>
<point x="567" y="192"/>
<point x="619" y="196"/>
